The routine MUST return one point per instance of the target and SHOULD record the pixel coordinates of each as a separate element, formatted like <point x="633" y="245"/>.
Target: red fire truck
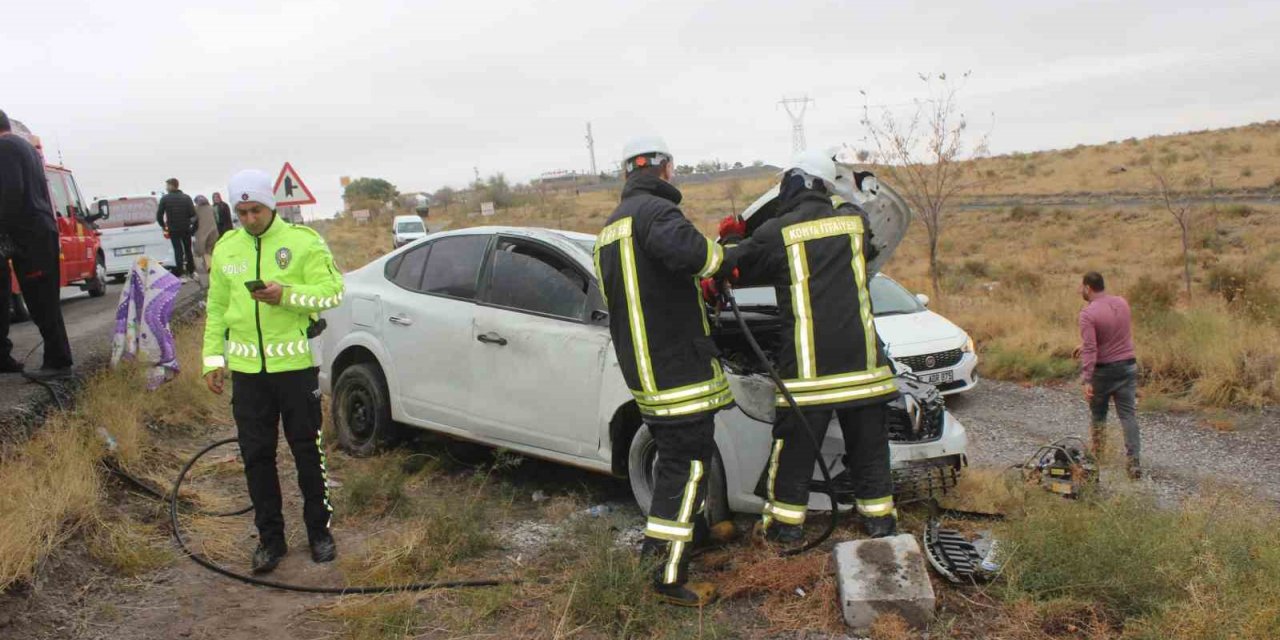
<point x="81" y="258"/>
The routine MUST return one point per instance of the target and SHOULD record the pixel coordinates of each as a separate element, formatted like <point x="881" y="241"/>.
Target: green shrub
<point x="1008" y="363"/>
<point x="1245" y="289"/>
<point x="1023" y="279"/>
<point x="1023" y="213"/>
<point x="1207" y="569"/>
<point x="1150" y="297"/>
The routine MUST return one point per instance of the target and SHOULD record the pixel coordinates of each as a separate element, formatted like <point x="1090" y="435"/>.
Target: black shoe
<point x="324" y="549"/>
<point x="267" y="558"/>
<point x="880" y="526"/>
<point x="9" y="365"/>
<point x="45" y="374"/>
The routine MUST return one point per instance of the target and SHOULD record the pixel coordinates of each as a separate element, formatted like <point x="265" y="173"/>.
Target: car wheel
<point x="18" y="311"/>
<point x="362" y="411"/>
<point x="98" y="284"/>
<point x="642" y="460"/>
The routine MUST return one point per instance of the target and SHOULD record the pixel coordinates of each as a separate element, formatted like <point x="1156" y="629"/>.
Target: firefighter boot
<point x="788" y="534"/>
<point x="689" y="594"/>
<point x="323" y="549"/>
<point x="880" y="526"/>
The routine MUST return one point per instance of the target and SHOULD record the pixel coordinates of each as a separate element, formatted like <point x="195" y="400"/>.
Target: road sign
<point x="361" y="216"/>
<point x="486" y="208"/>
<point x="290" y="189"/>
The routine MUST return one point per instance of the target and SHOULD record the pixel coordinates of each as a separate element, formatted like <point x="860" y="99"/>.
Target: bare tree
<point x="1183" y="213"/>
<point x="923" y="155"/>
<point x="733" y="191"/>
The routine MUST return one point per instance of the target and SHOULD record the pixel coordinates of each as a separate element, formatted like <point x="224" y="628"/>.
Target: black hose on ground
<point x="210" y="565"/>
<point x="817" y="445"/>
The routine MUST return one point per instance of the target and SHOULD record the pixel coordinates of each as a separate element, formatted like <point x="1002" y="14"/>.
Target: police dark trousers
<point x="866" y="440"/>
<point x="260" y="402"/>
<point x="1118" y="381"/>
<point x="37" y="268"/>
<point x="685" y="450"/>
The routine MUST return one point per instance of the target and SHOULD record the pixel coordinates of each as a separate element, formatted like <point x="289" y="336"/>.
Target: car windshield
<point x="888" y="298"/>
<point x="409" y="226"/>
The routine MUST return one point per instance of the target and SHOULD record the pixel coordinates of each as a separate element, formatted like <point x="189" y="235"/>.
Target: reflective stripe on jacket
<point x="255" y="337"/>
<point x="649" y="259"/>
<point x="829" y="354"/>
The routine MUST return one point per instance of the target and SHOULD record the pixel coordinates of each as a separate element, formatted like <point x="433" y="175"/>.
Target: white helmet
<point x="645" y="146"/>
<point x="816" y="164"/>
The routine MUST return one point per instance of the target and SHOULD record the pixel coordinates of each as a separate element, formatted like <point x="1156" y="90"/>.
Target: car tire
<point x="18" y="309"/>
<point x="361" y="411"/>
<point x="97" y="286"/>
<point x="641" y="457"/>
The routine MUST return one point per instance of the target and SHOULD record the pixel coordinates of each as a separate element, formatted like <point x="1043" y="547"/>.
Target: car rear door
<point x="426" y="323"/>
<point x="538" y="354"/>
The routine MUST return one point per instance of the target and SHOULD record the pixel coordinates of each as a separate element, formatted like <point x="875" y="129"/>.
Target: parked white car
<point x="406" y="229"/>
<point x="931" y="346"/>
<point x="132" y="232"/>
<point x="499" y="336"/>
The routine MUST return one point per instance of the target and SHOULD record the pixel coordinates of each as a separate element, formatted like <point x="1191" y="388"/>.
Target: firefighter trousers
<point x="685" y="452"/>
<point x="260" y="402"/>
<point x="791" y="460"/>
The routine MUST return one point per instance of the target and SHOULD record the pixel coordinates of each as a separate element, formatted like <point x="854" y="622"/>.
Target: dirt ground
<point x="534" y="504"/>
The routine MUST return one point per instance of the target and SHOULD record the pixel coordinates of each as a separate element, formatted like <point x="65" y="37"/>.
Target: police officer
<point x="268" y="279"/>
<point x="649" y="259"/>
<point x="829" y="355"/>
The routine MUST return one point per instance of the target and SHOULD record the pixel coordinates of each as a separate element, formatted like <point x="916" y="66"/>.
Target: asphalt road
<point x="89" y="326"/>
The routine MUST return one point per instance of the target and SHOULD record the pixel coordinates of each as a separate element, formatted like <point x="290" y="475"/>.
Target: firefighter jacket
<point x="649" y="259"/>
<point x="829" y="354"/>
<point x="248" y="336"/>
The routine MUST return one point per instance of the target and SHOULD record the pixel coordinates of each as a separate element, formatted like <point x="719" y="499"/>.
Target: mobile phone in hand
<point x="255" y="285"/>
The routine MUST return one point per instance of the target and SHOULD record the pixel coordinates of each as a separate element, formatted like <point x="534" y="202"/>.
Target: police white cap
<point x="252" y="185"/>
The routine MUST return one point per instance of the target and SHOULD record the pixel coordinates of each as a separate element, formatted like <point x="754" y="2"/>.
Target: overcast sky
<point x="420" y="93"/>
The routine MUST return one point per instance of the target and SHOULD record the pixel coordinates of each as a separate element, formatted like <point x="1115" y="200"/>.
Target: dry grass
<point x="51" y="488"/>
<point x="376" y="618"/>
<point x="130" y="548"/>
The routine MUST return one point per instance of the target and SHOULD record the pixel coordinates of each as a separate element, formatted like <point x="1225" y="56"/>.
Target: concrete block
<point x="885" y="575"/>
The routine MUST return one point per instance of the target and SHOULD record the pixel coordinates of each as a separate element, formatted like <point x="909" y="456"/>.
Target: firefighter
<point x="649" y="259"/>
<point x="268" y="280"/>
<point x="829" y="355"/>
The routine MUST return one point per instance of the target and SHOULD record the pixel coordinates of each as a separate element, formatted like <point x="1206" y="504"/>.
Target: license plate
<point x="939" y="378"/>
<point x="129" y="251"/>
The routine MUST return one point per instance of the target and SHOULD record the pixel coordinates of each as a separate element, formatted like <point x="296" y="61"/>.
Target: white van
<point x="406" y="229"/>
<point x="132" y="231"/>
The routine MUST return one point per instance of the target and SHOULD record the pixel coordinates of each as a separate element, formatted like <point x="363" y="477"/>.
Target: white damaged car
<point x="499" y="335"/>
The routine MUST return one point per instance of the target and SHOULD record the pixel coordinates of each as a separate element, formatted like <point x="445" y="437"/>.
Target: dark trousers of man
<point x="36" y="265"/>
<point x="790" y="468"/>
<point x="1118" y="381"/>
<point x="183" y="260"/>
<point x="260" y="402"/>
<point x="676" y="520"/>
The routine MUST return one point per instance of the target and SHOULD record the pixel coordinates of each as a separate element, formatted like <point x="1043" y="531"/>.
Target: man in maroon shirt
<point x="1108" y="367"/>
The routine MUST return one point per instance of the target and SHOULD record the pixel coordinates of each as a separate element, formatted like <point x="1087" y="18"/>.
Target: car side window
<point x="406" y="269"/>
<point x="528" y="277"/>
<point x="454" y="266"/>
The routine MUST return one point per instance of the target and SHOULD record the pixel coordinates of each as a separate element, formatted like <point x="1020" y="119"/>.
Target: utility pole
<point x="795" y="108"/>
<point x="591" y="149"/>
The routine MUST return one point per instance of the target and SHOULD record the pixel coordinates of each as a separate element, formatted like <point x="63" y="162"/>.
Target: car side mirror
<point x="104" y="211"/>
<point x="924" y="300"/>
<point x="599" y="316"/>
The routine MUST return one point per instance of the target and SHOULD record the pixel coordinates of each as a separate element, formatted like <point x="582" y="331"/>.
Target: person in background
<point x="206" y="236"/>
<point x="223" y="211"/>
<point x="176" y="214"/>
<point x="29" y="238"/>
<point x="1108" y="366"/>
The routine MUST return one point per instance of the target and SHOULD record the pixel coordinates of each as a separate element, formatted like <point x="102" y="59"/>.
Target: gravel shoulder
<point x="1181" y="454"/>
